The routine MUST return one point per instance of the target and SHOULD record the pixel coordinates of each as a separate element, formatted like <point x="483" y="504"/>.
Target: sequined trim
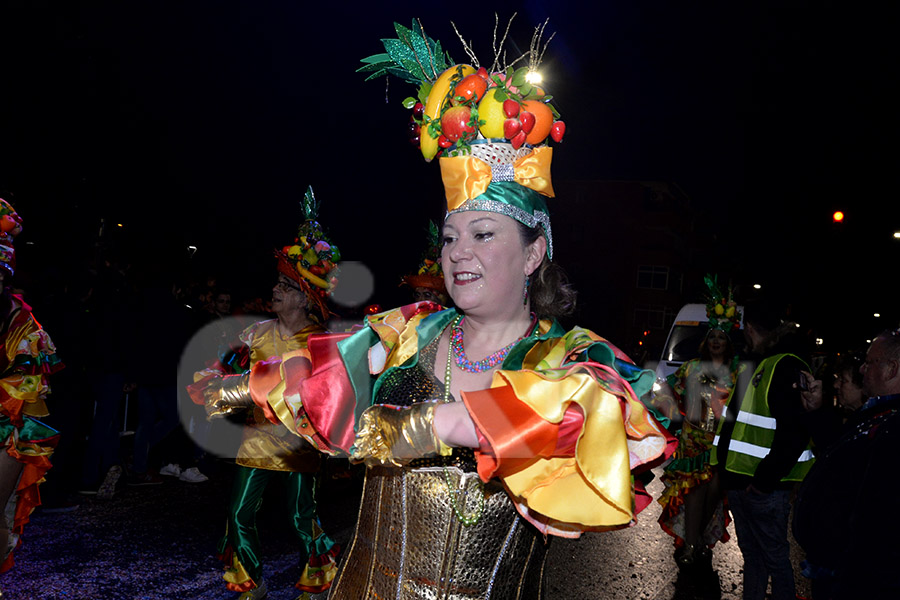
<point x="503" y="173"/>
<point x="503" y="550"/>
<point x="404" y="533"/>
<point x="529" y="220"/>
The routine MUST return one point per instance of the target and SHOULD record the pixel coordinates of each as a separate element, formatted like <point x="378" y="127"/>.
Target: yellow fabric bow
<point x="467" y="177"/>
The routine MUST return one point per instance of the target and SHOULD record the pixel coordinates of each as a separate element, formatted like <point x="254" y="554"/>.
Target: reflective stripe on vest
<point x="754" y="428"/>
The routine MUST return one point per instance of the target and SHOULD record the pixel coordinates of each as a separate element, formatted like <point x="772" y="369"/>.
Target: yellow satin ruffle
<point x="266" y="342"/>
<point x="236" y="574"/>
<point x="396" y="331"/>
<point x="285" y="407"/>
<point x="468" y="177"/>
<point x="264" y="444"/>
<point x="26" y="393"/>
<point x="592" y="488"/>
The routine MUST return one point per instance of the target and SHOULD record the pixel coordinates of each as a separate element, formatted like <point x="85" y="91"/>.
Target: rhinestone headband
<point x="524" y="217"/>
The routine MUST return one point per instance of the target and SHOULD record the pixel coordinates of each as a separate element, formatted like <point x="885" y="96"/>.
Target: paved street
<point x="158" y="543"/>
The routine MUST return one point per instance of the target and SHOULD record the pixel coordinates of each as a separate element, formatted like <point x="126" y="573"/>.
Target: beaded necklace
<point x="486" y="363"/>
<point x="473" y="518"/>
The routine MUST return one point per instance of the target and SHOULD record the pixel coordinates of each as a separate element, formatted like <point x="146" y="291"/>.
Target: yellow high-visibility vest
<point x="754" y="428"/>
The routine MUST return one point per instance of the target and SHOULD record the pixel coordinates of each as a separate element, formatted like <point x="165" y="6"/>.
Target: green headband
<point x="516" y="201"/>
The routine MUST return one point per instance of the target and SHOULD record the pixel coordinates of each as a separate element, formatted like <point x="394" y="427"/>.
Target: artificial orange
<point x="543" y="121"/>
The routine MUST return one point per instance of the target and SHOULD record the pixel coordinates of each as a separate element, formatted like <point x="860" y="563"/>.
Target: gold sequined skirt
<point x="410" y="543"/>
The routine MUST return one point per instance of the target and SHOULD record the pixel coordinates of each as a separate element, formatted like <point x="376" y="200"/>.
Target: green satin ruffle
<point x="32" y="430"/>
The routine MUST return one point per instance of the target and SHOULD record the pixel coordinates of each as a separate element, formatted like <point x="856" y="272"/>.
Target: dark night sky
<point x="204" y="121"/>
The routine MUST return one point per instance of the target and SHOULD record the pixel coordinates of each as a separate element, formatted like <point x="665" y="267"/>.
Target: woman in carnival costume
<point x="268" y="450"/>
<point x="487" y="426"/>
<point x="694" y="510"/>
<point x="27" y="359"/>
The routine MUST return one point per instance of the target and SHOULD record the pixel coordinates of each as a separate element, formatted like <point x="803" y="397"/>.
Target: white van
<point x="687" y="332"/>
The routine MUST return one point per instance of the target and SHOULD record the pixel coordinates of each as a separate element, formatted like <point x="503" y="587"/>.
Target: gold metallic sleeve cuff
<point x="228" y="394"/>
<point x="397" y="435"/>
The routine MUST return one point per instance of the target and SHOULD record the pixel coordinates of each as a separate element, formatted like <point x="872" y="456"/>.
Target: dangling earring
<point x="525" y="291"/>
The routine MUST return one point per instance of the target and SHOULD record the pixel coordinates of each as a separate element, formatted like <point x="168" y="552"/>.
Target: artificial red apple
<point x="455" y="123"/>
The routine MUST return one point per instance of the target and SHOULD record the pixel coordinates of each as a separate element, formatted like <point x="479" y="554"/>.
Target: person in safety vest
<point x="850" y="552"/>
<point x="762" y="448"/>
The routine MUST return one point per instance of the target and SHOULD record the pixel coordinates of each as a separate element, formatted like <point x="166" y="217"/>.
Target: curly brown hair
<point x="552" y="296"/>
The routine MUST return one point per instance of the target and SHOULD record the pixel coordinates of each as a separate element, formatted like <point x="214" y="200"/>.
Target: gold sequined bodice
<point x="410" y="544"/>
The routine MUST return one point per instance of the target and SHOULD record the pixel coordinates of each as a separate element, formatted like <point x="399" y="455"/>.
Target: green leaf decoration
<point x="500" y="95"/>
<point x="402" y="32"/>
<point x="377" y="67"/>
<point x="409" y="102"/>
<point x="410" y="67"/>
<point x="310" y="205"/>
<point x="425" y="50"/>
<point x="412" y="57"/>
<point x="526" y="89"/>
<point x="424" y="90"/>
<point x="713" y="285"/>
<point x="400" y="73"/>
<point x="376" y="75"/>
<point x="434" y="238"/>
<point x="403" y="57"/>
<point x="383" y="69"/>
<point x="377" y="58"/>
<point x="518" y="78"/>
<point x="371" y="67"/>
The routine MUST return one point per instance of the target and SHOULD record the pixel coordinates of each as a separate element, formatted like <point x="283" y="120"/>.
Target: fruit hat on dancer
<point x="10" y="227"/>
<point x="721" y="309"/>
<point x="311" y="259"/>
<point x="429" y="274"/>
<point x="489" y="126"/>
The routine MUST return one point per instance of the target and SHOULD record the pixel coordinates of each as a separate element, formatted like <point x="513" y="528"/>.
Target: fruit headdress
<point x="312" y="257"/>
<point x="721" y="310"/>
<point x="10" y="227"/>
<point x="490" y="127"/>
<point x="429" y="274"/>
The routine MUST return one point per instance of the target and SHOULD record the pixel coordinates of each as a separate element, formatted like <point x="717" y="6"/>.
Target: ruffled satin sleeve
<point x="30" y="358"/>
<point x="566" y="440"/>
<point x="310" y="392"/>
<point x="320" y="392"/>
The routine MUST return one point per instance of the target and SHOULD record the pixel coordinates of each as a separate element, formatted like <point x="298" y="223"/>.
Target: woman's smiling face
<point x="485" y="262"/>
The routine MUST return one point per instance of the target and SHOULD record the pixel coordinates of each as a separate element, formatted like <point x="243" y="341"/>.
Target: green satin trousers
<point x="247" y="499"/>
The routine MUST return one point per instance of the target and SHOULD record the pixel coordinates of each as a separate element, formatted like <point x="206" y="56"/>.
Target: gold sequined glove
<point x="397" y="435"/>
<point x="227" y="394"/>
